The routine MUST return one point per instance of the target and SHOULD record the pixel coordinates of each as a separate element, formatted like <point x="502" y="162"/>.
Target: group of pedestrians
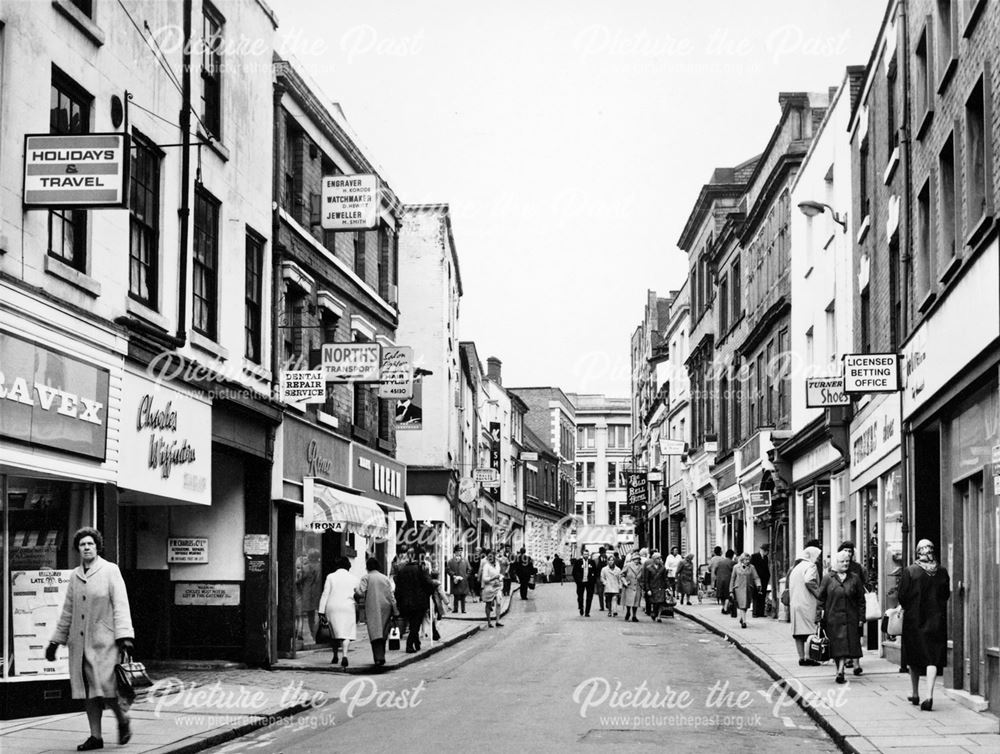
<point x="741" y="582"/>
<point x="488" y="575"/>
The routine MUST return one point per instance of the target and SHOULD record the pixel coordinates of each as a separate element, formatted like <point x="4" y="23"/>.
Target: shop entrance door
<point x="970" y="581"/>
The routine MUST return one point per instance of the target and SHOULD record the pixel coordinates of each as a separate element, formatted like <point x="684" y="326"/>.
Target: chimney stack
<point x="493" y="369"/>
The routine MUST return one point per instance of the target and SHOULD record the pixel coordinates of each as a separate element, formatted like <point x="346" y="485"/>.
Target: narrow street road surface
<point x="550" y="680"/>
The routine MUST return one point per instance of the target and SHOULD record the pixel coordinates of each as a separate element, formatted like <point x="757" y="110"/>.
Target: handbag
<point x="818" y="646"/>
<point x="892" y="622"/>
<point x="324" y="634"/>
<point x="393" y="642"/>
<point x="531" y="581"/>
<point x="786" y="598"/>
<point x="873" y="610"/>
<point x="130" y="676"/>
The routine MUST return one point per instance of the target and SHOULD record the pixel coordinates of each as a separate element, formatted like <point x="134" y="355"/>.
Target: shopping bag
<point x="818" y="646"/>
<point x="892" y="621"/>
<point x="131" y="676"/>
<point x="873" y="611"/>
<point x="531" y="581"/>
<point x="393" y="642"/>
<point x="324" y="635"/>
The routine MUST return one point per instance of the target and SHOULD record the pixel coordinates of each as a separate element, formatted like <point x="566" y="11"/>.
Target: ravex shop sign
<point x="166" y="448"/>
<point x="76" y="171"/>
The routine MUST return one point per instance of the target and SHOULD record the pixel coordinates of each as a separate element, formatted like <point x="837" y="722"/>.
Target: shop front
<point x="731" y="513"/>
<point x="431" y="505"/>
<point x="951" y="411"/>
<point x="381" y="479"/>
<point x="59" y="424"/>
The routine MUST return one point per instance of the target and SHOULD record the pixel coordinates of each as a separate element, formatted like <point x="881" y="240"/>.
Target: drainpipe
<point x="905" y="259"/>
<point x="185" y="210"/>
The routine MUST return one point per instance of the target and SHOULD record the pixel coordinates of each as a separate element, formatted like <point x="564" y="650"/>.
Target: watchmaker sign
<point x="166" y="443"/>
<point x="349" y="202"/>
<point x="83" y="170"/>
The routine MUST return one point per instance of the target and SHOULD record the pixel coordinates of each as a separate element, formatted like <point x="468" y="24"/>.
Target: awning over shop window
<point x="343" y="511"/>
<point x="428" y="508"/>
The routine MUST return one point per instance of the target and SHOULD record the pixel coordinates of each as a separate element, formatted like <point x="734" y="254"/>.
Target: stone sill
<point x="74" y="277"/>
<point x="80" y="20"/>
<point x="208" y="345"/>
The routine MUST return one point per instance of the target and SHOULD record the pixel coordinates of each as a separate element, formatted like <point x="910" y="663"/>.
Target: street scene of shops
<point x="424" y="375"/>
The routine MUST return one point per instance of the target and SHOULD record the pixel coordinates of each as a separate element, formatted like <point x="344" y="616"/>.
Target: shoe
<point x="410" y="651"/>
<point x="914" y="700"/>
<point x="586" y="615"/>
<point x="334" y="660"/>
<point x="808" y="662"/>
<point x="581" y="612"/>
<point x="344" y="663"/>
<point x="379" y="663"/>
<point x="858" y="671"/>
<point x="634" y="619"/>
<point x="840" y="678"/>
<point x="499" y="624"/>
<point x="743" y="624"/>
<point x="926" y="705"/>
<point x="463" y="612"/>
<point x="91" y="743"/>
<point x="124" y="733"/>
<point x="849" y="664"/>
<point x="437" y="636"/>
<point x="802" y="663"/>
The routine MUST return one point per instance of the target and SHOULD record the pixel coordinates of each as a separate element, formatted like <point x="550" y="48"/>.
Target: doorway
<point x="969" y="580"/>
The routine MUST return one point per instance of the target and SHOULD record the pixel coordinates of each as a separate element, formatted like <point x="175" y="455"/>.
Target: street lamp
<point x="811" y="209"/>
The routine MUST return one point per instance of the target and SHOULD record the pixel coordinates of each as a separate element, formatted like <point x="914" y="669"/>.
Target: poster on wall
<point x="36" y="600"/>
<point x="410" y="412"/>
<point x="34" y="549"/>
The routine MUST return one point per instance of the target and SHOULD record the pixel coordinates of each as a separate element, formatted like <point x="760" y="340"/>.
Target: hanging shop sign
<point x="76" y="171"/>
<point x="36" y="601"/>
<point x="50" y="399"/>
<point x="638" y="493"/>
<point x="495" y="445"/>
<point x="379" y="477"/>
<point x="822" y="392"/>
<point x="351" y="362"/>
<point x="187" y="550"/>
<point x="166" y="443"/>
<point x="488" y="477"/>
<point x="672" y="447"/>
<point x="396" y="373"/>
<point x="303" y="387"/>
<point x="529" y="456"/>
<point x="349" y="202"/>
<point x="760" y="502"/>
<point x="871" y="373"/>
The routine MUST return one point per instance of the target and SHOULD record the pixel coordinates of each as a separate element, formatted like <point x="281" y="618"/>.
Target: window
<point x="723" y="305"/>
<point x="361" y="394"/>
<point x="770" y="366"/>
<point x="923" y="76"/>
<point x="579" y="474"/>
<point x="86" y="7"/>
<point x="612" y="475"/>
<point x="585" y="437"/>
<point x="784" y="378"/>
<point x="384" y="252"/>
<point x="752" y="399"/>
<point x="211" y="70"/>
<point x="831" y="331"/>
<point x="810" y="348"/>
<point x="253" y="296"/>
<point x="892" y="132"/>
<point x="293" y="170"/>
<point x="69" y="114"/>
<point x="723" y="413"/>
<point x="144" y="222"/>
<point x="947" y="39"/>
<point x="764" y="391"/>
<point x="359" y="253"/>
<point x="978" y="155"/>
<point x="970" y="14"/>
<point x="204" y="274"/>
<point x="737" y="286"/>
<point x="617" y="436"/>
<point x="737" y="391"/>
<point x="948" y="230"/>
<point x="866" y="324"/>
<point x="864" y="208"/>
<point x="329" y="236"/>
<point x="923" y="246"/>
<point x="895" y="304"/>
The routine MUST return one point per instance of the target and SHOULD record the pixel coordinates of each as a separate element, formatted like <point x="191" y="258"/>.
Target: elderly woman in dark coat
<point x="375" y="590"/>
<point x="654" y="583"/>
<point x="97" y="633"/>
<point x="743" y="585"/>
<point x="842" y="596"/>
<point x="923" y="594"/>
<point x="685" y="579"/>
<point x="723" y="575"/>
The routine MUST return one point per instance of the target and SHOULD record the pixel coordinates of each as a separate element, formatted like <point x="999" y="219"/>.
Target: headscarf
<point x="689" y="557"/>
<point x="925" y="556"/>
<point x="811" y="554"/>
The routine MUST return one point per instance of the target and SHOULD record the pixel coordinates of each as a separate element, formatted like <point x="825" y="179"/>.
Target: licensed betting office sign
<point x="871" y="373"/>
<point x="76" y="171"/>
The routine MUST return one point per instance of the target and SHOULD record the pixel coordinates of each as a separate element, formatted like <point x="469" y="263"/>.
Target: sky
<point x="570" y="139"/>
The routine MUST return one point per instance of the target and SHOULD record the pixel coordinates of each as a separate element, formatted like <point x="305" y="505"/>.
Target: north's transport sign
<point x="76" y="171"/>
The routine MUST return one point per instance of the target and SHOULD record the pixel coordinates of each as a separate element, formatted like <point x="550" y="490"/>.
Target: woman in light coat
<point x="803" y="590"/>
<point x="96" y="625"/>
<point x="375" y="590"/>
<point x="490" y="580"/>
<point x="632" y="594"/>
<point x="337" y="604"/>
<point x="611" y="577"/>
<point x="745" y="583"/>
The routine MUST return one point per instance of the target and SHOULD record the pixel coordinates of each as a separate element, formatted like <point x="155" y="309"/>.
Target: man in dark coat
<point x="723" y="576"/>
<point x="458" y="568"/>
<point x="598" y="563"/>
<point x="762" y="565"/>
<point x="558" y="569"/>
<point x="523" y="569"/>
<point x="414" y="587"/>
<point x="585" y="576"/>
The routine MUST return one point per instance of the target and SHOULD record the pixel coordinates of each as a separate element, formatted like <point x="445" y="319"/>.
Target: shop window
<point x="69" y="114"/>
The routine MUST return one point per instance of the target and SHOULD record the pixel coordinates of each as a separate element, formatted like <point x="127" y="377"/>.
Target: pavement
<point x="868" y="714"/>
<point x="197" y="705"/>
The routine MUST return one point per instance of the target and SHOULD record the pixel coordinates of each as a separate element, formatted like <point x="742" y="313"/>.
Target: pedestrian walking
<point x="600" y="560"/>
<point x="762" y="564"/>
<point x="803" y="603"/>
<point x="375" y="593"/>
<point x="611" y="578"/>
<point x="338" y="607"/>
<point x="585" y="577"/>
<point x="558" y="568"/>
<point x="523" y="569"/>
<point x="491" y="579"/>
<point x="632" y="587"/>
<point x="308" y="589"/>
<point x="671" y="562"/>
<point x="743" y="586"/>
<point x="458" y="568"/>
<point x="504" y="560"/>
<point x="853" y="566"/>
<point x="713" y="564"/>
<point x="923" y="594"/>
<point x="686" y="586"/>
<point x="655" y="584"/>
<point x="96" y="626"/>
<point x="723" y="577"/>
<point x="645" y="559"/>
<point x="413" y="589"/>
<point x="475" y="561"/>
<point x="842" y="596"/>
